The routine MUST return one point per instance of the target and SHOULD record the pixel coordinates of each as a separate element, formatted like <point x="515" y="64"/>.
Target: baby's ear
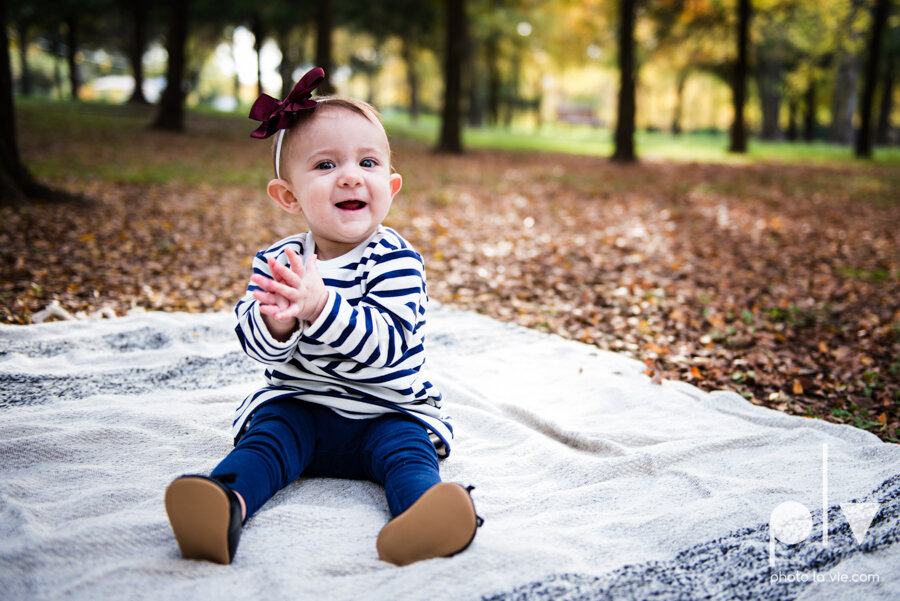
<point x="280" y="191"/>
<point x="396" y="184"/>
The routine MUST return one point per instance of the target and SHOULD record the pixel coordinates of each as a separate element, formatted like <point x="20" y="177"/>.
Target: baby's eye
<point x="324" y="165"/>
<point x="368" y="163"/>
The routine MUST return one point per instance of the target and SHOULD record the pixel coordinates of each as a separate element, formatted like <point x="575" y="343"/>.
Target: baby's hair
<point x="351" y="104"/>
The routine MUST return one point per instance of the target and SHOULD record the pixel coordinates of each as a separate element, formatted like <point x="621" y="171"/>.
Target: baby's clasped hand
<point x="293" y="293"/>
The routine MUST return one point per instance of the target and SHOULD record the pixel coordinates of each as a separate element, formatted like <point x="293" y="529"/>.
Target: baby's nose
<point x="350" y="176"/>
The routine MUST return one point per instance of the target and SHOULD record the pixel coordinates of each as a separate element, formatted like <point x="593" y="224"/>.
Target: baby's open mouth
<point x="351" y="205"/>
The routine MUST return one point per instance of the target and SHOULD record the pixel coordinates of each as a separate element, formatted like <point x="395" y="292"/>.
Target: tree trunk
<point x="792" y="120"/>
<point x="324" y="27"/>
<point x="809" y="116"/>
<point x="193" y="78"/>
<point x="170" y="116"/>
<point x="71" y="52"/>
<point x="412" y="78"/>
<point x="288" y="62"/>
<point x="843" y="102"/>
<point x="16" y="184"/>
<point x="236" y="80"/>
<point x="768" y="76"/>
<point x="739" y="85"/>
<point x="864" y="135"/>
<point x="57" y="50"/>
<point x="493" y="76"/>
<point x="12" y="173"/>
<point x="257" y="27"/>
<point x="475" y="90"/>
<point x="455" y="23"/>
<point x="136" y="49"/>
<point x="883" y="130"/>
<point x="625" y="112"/>
<point x="679" y="101"/>
<point x="22" y="27"/>
<point x="513" y="101"/>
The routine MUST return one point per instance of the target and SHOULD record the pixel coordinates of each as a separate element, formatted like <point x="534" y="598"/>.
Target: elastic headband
<point x="278" y="153"/>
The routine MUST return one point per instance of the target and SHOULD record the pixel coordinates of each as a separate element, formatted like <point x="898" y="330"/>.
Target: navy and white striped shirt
<point x="364" y="355"/>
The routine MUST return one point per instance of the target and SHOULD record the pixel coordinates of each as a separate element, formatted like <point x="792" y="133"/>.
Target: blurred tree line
<point x="815" y="69"/>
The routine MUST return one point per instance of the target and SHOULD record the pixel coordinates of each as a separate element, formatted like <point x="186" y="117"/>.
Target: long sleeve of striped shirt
<point x="364" y="354"/>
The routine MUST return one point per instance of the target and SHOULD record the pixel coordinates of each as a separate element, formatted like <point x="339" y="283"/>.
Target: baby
<point x="336" y="315"/>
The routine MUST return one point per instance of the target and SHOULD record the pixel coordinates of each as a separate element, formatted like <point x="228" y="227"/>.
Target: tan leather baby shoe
<point x="205" y="516"/>
<point x="441" y="523"/>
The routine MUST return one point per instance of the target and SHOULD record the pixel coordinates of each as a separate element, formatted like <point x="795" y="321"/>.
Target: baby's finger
<point x="266" y="298"/>
<point x="286" y="274"/>
<point x="269" y="309"/>
<point x="269" y="285"/>
<point x="263" y="282"/>
<point x="276" y="269"/>
<point x="312" y="265"/>
<point x="286" y="290"/>
<point x="290" y="311"/>
<point x="296" y="262"/>
<point x="278" y="273"/>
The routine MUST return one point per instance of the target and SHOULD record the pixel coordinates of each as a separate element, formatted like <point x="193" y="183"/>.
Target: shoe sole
<point x="199" y="512"/>
<point x="441" y="523"/>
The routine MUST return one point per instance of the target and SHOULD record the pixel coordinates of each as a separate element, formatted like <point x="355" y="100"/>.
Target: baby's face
<point x="339" y="171"/>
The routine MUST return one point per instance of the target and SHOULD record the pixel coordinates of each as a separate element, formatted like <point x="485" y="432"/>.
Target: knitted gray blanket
<point x="594" y="482"/>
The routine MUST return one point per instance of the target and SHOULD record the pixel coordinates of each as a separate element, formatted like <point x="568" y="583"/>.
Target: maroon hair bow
<point x="279" y="114"/>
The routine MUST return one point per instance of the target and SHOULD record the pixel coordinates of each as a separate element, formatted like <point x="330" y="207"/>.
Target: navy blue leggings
<point x="289" y="438"/>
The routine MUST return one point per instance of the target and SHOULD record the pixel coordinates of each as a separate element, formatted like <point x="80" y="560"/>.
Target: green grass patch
<point x="867" y="275"/>
<point x="114" y="143"/>
<point x="652" y="145"/>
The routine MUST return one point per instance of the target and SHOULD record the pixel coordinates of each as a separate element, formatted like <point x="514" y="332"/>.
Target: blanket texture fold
<point x="594" y="482"/>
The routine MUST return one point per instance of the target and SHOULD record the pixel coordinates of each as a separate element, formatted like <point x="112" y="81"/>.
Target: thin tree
<point x="863" y="147"/>
<point x="16" y="183"/>
<point x="170" y="116"/>
<point x="454" y="55"/>
<point x="72" y="52"/>
<point x="324" y="28"/>
<point x="625" y="112"/>
<point x="809" y="114"/>
<point x="136" y="46"/>
<point x="24" y="17"/>
<point x="291" y="55"/>
<point x="14" y="178"/>
<point x="882" y="130"/>
<point x="739" y="85"/>
<point x="408" y="52"/>
<point x="680" y="81"/>
<point x="768" y="71"/>
<point x="257" y="28"/>
<point x="289" y="27"/>
<point x="413" y="22"/>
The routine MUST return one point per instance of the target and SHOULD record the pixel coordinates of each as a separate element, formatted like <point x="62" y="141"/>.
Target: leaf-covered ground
<point x="777" y="281"/>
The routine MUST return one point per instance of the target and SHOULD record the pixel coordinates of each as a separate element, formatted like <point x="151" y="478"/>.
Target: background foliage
<point x="527" y="63"/>
<point x="772" y="272"/>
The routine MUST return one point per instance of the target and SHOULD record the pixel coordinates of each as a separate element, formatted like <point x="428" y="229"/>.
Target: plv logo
<point x="792" y="523"/>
